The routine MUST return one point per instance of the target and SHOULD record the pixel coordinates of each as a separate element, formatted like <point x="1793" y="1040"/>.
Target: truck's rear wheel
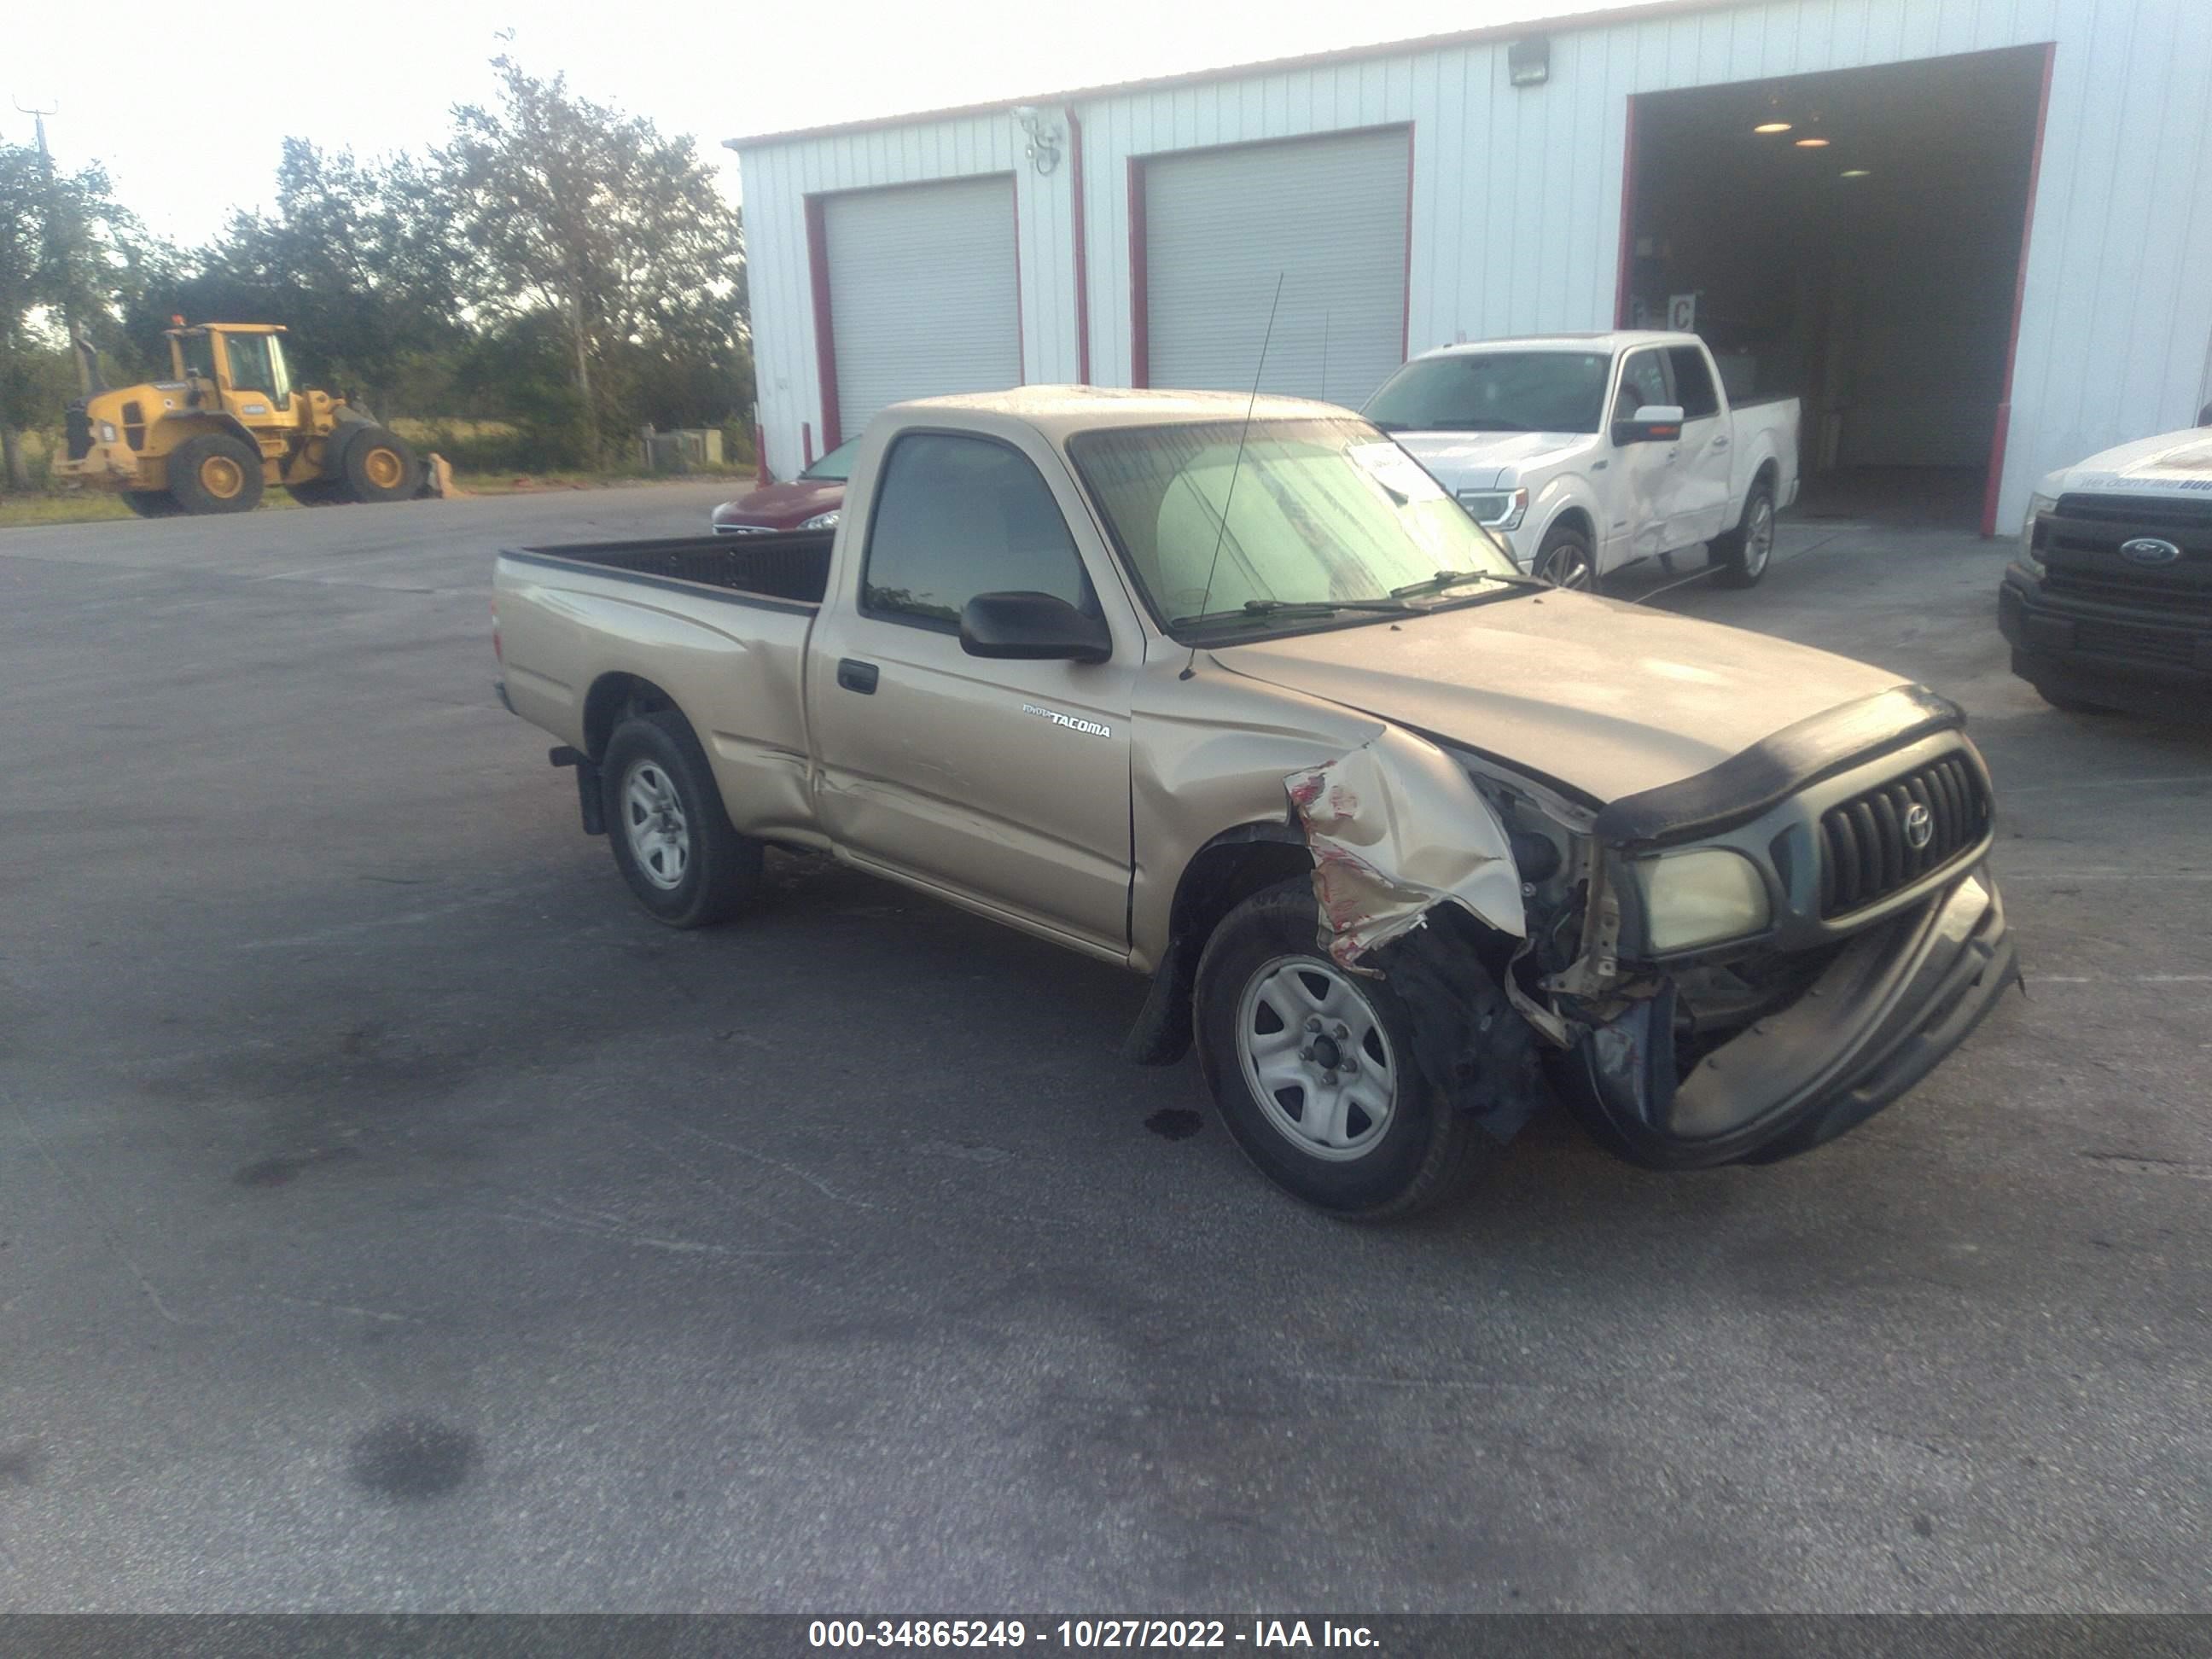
<point x="1744" y="552"/>
<point x="1313" y="1071"/>
<point x="380" y="466"/>
<point x="215" y="473"/>
<point x="672" y="841"/>
<point x="151" y="503"/>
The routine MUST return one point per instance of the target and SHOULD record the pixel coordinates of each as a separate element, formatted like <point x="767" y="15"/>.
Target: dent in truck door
<point x="1697" y="508"/>
<point x="1646" y="470"/>
<point x="1006" y="781"/>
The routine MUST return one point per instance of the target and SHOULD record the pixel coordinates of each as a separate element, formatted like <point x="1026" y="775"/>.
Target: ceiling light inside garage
<point x="1811" y="144"/>
<point x="1857" y="173"/>
<point x="1771" y="126"/>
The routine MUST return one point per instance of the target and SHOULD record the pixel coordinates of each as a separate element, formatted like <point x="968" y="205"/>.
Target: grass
<point x="90" y="507"/>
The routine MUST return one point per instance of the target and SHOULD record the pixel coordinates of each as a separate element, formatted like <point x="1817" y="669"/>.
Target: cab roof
<point x="1060" y="410"/>
<point x="1611" y="340"/>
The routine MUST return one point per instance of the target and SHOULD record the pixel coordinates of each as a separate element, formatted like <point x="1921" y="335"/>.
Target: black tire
<point x="151" y="503"/>
<point x="718" y="869"/>
<point x="1566" y="559"/>
<point x="1743" y="554"/>
<point x="215" y="472"/>
<point x="319" y="492"/>
<point x="1423" y="1153"/>
<point x="379" y="466"/>
<point x="2072" y="705"/>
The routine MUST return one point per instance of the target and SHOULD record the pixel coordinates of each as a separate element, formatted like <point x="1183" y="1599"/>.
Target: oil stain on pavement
<point x="412" y="1459"/>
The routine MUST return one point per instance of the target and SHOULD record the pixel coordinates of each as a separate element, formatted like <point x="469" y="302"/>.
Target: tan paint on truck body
<point x="943" y="781"/>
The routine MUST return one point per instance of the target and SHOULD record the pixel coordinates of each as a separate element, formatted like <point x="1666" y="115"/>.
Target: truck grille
<point x="79" y="425"/>
<point x="2141" y="514"/>
<point x="1866" y="849"/>
<point x="2135" y="593"/>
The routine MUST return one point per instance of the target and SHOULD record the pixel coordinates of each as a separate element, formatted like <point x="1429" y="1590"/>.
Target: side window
<point x="1693" y="384"/>
<point x="249" y="363"/>
<point x="1643" y="381"/>
<point x="955" y="517"/>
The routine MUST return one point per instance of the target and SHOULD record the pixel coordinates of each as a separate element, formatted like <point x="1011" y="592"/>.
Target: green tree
<point x="67" y="248"/>
<point x="358" y="261"/>
<point x="594" y="217"/>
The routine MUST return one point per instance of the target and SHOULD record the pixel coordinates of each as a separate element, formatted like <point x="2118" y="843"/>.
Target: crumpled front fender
<point x="1395" y="828"/>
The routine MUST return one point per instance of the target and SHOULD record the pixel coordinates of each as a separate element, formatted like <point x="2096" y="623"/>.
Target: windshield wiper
<point x="1447" y="579"/>
<point x="1255" y="610"/>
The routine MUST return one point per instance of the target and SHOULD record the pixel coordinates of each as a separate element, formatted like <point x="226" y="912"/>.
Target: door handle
<point x="1720" y="443"/>
<point x="856" y="676"/>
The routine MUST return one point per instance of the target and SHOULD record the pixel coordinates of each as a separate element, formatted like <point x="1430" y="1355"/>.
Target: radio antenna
<point x="1235" y="467"/>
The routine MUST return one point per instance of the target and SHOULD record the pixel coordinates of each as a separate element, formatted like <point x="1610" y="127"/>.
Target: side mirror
<point x="1654" y="423"/>
<point x="1032" y="628"/>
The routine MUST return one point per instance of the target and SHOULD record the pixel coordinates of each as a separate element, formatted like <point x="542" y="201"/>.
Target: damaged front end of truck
<point x="1734" y="968"/>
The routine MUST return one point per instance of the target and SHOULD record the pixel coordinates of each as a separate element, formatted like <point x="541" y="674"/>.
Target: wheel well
<point x="613" y="699"/>
<point x="1770" y="470"/>
<point x="1575" y="519"/>
<point x="1227" y="871"/>
<point x="180" y="427"/>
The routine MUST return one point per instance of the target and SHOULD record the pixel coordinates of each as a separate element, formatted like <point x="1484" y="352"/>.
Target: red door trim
<point x="825" y="343"/>
<point x="1082" y="249"/>
<point x="2004" y="432"/>
<point x="1628" y="158"/>
<point x="1406" y="321"/>
<point x="1140" y="345"/>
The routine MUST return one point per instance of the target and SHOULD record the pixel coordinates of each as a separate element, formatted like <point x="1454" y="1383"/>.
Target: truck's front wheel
<point x="1312" y="1068"/>
<point x="673" y="840"/>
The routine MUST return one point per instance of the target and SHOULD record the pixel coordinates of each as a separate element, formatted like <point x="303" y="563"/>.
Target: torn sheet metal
<point x="1395" y="829"/>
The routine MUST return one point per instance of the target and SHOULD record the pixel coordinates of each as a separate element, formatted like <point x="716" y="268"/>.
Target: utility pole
<point x="55" y="251"/>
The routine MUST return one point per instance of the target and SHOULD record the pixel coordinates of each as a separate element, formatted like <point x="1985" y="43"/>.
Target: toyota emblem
<point x="2149" y="549"/>
<point x="1919" y="826"/>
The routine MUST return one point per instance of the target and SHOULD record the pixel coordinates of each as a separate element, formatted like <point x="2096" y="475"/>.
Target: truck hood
<point x="2171" y="461"/>
<point x="1487" y="460"/>
<point x="1606" y="698"/>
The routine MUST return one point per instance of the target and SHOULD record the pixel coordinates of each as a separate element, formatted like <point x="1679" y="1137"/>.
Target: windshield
<point x="1494" y="391"/>
<point x="835" y="467"/>
<point x="1324" y="513"/>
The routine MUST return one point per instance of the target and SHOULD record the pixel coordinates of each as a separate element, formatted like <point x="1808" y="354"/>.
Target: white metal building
<point x="1976" y="236"/>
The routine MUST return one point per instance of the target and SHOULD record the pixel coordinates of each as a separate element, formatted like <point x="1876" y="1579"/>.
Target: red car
<point x="809" y="502"/>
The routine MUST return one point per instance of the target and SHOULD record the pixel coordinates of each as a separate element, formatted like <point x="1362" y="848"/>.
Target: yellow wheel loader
<point x="228" y="424"/>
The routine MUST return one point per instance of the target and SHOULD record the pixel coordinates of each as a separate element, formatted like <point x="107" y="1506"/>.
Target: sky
<point x="188" y="119"/>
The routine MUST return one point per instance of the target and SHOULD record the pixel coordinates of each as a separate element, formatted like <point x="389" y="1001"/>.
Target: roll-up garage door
<point x="922" y="293"/>
<point x="1329" y="214"/>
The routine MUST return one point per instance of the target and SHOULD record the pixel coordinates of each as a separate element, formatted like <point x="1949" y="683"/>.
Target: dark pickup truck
<point x="2108" y="606"/>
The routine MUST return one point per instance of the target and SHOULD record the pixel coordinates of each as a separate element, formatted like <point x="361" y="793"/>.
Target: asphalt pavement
<point x="393" y="1216"/>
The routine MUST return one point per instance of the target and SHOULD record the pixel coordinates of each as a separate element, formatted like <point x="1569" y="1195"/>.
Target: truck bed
<point x="790" y="566"/>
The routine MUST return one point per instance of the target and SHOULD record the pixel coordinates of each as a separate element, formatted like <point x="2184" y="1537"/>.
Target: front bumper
<point x="2151" y="660"/>
<point x="1896" y="999"/>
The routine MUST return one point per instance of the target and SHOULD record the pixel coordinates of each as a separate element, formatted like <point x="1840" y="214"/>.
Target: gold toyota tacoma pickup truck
<point x="1242" y="701"/>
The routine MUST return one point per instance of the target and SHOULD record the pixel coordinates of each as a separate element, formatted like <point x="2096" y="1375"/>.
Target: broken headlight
<point x="1700" y="897"/>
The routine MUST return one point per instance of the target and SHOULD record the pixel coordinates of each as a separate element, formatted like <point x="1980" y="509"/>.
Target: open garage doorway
<point x="1854" y="238"/>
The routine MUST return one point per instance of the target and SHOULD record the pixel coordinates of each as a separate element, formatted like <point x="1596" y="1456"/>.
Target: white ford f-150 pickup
<point x="1584" y="452"/>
